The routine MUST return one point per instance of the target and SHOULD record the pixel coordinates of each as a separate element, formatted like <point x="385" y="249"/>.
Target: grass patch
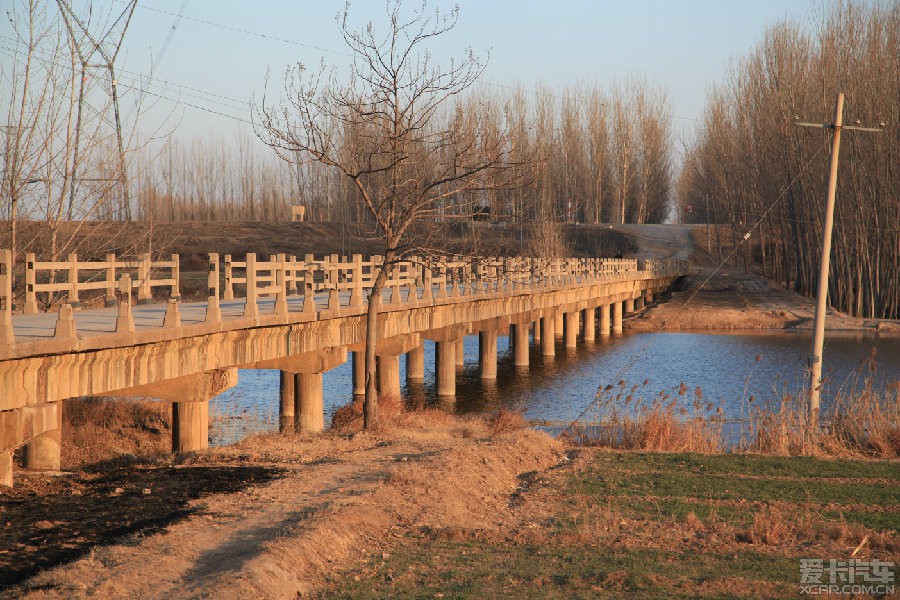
<point x="436" y="568"/>
<point x="645" y="525"/>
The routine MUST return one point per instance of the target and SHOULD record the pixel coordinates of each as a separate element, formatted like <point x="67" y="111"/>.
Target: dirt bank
<point x="275" y="516"/>
<point x="720" y="297"/>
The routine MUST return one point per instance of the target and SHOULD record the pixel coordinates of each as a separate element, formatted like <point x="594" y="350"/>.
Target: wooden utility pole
<point x="815" y="377"/>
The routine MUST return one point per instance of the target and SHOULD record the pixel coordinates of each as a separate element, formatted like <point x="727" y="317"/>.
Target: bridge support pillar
<point x="6" y="468"/>
<point x="288" y="399"/>
<point x="537" y="331"/>
<point x="43" y="452"/>
<point x="190" y="426"/>
<point x="639" y="303"/>
<point x="415" y="363"/>
<point x="445" y="369"/>
<point x="519" y="335"/>
<point x="558" y="325"/>
<point x="359" y="373"/>
<point x="604" y="320"/>
<point x="571" y="329"/>
<point x="487" y="353"/>
<point x="310" y="405"/>
<point x="548" y="335"/>
<point x="648" y="296"/>
<point x="388" y="372"/>
<point x="617" y="317"/>
<point x="460" y="348"/>
<point x="590" y="324"/>
<point x="629" y="305"/>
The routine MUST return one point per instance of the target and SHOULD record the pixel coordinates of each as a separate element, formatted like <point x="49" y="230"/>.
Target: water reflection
<point x="729" y="369"/>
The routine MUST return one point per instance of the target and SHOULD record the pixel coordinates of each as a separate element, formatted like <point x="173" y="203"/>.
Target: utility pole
<point x="815" y="377"/>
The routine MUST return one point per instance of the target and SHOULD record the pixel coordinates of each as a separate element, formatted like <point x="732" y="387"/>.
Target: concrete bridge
<point x="302" y="317"/>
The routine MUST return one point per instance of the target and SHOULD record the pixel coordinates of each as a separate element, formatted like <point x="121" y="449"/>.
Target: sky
<point x="218" y="54"/>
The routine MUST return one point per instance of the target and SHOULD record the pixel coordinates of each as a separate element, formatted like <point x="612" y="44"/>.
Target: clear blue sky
<point x="684" y="44"/>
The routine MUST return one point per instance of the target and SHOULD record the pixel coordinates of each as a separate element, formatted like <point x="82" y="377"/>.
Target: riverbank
<point x="732" y="300"/>
<point x="441" y="506"/>
<point x="437" y="505"/>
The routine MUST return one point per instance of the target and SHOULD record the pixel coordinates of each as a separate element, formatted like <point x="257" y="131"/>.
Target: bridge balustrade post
<point x="413" y="281"/>
<point x="144" y="296"/>
<point x="73" y="281"/>
<point x="280" y="284"/>
<point x="172" y="318"/>
<point x="7" y="334"/>
<point x="124" y="320"/>
<point x="426" y="274"/>
<point x="250" y="307"/>
<point x="356" y="274"/>
<point x="31" y="307"/>
<point x="442" y="283"/>
<point x="213" y="312"/>
<point x="293" y="287"/>
<point x="229" y="283"/>
<point x="176" y="277"/>
<point x="110" y="299"/>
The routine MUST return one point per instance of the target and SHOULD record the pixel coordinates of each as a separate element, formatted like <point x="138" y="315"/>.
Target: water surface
<point x="732" y="372"/>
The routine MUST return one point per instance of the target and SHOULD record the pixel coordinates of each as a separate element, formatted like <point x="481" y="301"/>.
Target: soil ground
<point x="443" y="507"/>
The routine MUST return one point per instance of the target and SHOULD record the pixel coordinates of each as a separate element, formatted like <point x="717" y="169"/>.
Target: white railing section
<point x="344" y="281"/>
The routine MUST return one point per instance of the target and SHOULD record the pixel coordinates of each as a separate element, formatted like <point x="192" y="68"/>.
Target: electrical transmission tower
<point x="105" y="48"/>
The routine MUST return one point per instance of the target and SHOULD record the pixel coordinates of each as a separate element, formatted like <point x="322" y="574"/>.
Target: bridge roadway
<point x="187" y="353"/>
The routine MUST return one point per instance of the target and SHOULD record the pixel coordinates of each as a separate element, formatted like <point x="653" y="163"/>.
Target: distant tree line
<point x="749" y="152"/>
<point x="589" y="154"/>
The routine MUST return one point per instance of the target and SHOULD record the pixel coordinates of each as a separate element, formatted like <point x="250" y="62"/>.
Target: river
<point x="732" y="371"/>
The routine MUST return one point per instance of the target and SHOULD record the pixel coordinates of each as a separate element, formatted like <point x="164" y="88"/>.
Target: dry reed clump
<point x="97" y="429"/>
<point x="505" y="421"/>
<point x="863" y="421"/>
<point x="667" y="423"/>
<point x="393" y="414"/>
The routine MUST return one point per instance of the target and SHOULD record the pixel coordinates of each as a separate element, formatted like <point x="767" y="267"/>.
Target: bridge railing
<point x="344" y="280"/>
<point x="72" y="277"/>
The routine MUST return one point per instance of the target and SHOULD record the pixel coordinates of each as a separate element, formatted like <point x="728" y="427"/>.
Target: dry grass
<point x="863" y="421"/>
<point x="393" y="415"/>
<point x="667" y="423"/>
<point x="98" y="429"/>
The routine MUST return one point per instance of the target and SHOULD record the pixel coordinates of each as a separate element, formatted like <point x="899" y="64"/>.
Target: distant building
<point x="298" y="213"/>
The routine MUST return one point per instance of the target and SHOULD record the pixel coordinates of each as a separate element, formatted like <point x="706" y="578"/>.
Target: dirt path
<point x="720" y="297"/>
<point x="338" y="500"/>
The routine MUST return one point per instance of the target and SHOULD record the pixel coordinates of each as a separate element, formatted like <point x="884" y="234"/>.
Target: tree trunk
<point x="370" y="404"/>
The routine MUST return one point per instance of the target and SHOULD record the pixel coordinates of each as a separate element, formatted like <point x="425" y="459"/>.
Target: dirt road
<point x="329" y="501"/>
<point x="717" y="296"/>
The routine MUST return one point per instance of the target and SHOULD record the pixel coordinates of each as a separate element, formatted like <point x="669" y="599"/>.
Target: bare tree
<point x="390" y="130"/>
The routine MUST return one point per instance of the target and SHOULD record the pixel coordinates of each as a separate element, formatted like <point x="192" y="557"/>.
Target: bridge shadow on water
<point x="50" y="521"/>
